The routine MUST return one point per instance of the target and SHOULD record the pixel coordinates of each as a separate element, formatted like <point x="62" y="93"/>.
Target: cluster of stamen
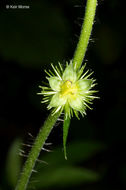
<point x="67" y="88"/>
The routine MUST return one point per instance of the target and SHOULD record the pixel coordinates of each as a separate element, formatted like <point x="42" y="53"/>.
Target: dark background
<point x="48" y="32"/>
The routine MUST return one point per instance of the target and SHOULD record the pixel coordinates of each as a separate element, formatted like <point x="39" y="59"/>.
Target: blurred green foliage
<point x="36" y="36"/>
<point x="58" y="173"/>
<point x="30" y="40"/>
<point x="13" y="163"/>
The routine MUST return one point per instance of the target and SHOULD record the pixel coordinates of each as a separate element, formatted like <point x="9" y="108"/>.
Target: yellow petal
<point x="76" y="103"/>
<point x="57" y="100"/>
<point x="69" y="74"/>
<point x="84" y="84"/>
<point x="55" y="83"/>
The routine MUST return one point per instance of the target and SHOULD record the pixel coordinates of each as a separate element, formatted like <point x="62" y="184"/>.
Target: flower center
<point x="68" y="88"/>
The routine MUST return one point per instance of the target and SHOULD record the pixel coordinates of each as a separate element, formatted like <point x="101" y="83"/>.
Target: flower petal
<point x="77" y="103"/>
<point x="57" y="100"/>
<point x="54" y="83"/>
<point x="69" y="73"/>
<point x="84" y="84"/>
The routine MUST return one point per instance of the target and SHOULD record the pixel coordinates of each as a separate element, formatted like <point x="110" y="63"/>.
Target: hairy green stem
<point x="85" y="33"/>
<point x="51" y="120"/>
<point x="35" y="151"/>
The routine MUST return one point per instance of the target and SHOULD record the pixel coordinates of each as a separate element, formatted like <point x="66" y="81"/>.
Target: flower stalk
<point x="35" y="151"/>
<point x="85" y="33"/>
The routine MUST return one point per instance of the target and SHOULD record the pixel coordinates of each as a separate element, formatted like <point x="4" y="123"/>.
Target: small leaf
<point x="66" y="125"/>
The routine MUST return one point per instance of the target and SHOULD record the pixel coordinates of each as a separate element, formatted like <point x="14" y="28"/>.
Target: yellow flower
<point x="68" y="90"/>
